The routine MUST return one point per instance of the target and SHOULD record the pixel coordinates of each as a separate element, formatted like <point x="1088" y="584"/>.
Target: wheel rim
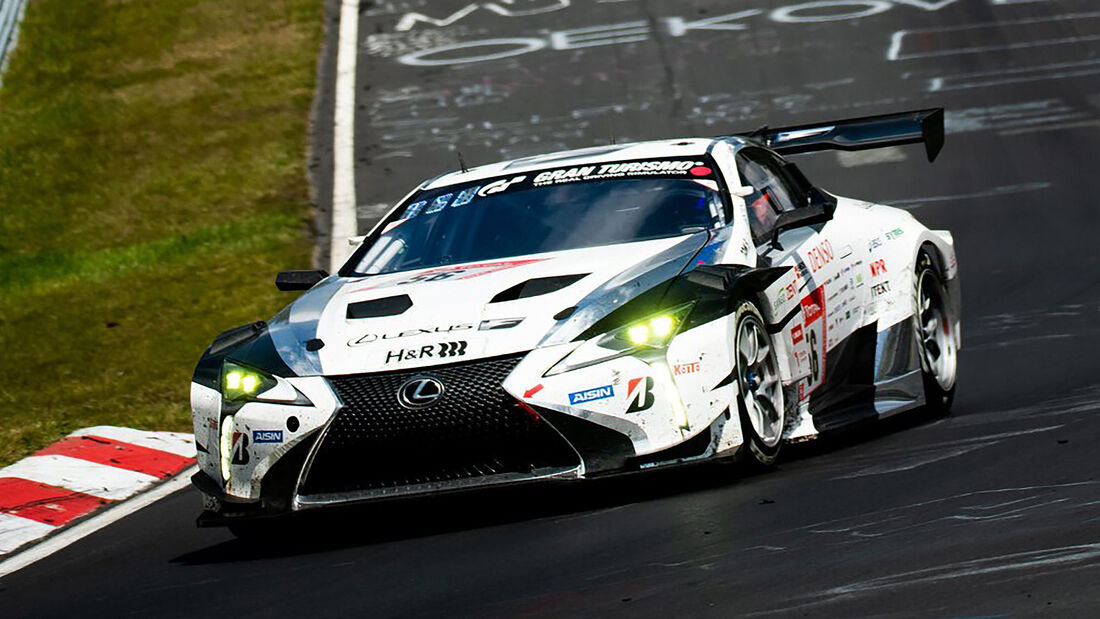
<point x="759" y="381"/>
<point x="937" y="342"/>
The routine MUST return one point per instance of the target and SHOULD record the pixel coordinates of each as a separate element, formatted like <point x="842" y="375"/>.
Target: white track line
<point x="344" y="224"/>
<point x="179" y="443"/>
<point x="71" y="534"/>
<point x="100" y="480"/>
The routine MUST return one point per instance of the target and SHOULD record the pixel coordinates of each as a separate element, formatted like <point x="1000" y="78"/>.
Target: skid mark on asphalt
<point x="996" y="192"/>
<point x="1025" y="564"/>
<point x="909" y="464"/>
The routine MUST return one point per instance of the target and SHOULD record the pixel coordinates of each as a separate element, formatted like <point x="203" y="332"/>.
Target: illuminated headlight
<point x="244" y="383"/>
<point x="652" y="333"/>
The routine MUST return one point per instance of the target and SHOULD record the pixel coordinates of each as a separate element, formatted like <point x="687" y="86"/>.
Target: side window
<point x="772" y="192"/>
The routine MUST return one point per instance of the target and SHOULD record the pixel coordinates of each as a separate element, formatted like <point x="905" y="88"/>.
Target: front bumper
<point x="373" y="448"/>
<point x="500" y="421"/>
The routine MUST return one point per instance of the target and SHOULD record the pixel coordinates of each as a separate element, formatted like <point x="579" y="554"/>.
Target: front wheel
<point x="759" y="388"/>
<point x="936" y="342"/>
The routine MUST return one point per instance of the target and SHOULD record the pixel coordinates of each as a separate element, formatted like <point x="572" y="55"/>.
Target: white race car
<point x="585" y="313"/>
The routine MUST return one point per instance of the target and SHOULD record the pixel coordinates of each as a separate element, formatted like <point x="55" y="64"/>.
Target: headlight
<point x="244" y="383"/>
<point x="652" y="333"/>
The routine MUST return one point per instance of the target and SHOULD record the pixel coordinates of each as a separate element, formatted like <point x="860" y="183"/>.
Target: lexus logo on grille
<point x="419" y="392"/>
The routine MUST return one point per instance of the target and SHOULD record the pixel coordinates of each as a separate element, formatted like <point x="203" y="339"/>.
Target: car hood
<point x="462" y="312"/>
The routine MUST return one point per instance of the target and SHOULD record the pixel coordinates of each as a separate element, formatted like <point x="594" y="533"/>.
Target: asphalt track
<point x="991" y="511"/>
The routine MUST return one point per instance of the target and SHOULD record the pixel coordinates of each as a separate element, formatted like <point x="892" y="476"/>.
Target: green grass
<point x="152" y="181"/>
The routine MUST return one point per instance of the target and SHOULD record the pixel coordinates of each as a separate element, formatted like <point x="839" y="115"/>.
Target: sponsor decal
<point x="878" y="267"/>
<point x="532" y="391"/>
<point x="374" y="337"/>
<point x="639" y="391"/>
<point x="267" y="436"/>
<point x="800" y="273"/>
<point x="499" y="186"/>
<point x="874" y="244"/>
<point x="591" y="395"/>
<point x="465" y="196"/>
<point x="430" y="351"/>
<point x="439" y="204"/>
<point x="499" y="323"/>
<point x="893" y="234"/>
<point x="680" y="369"/>
<point x="880" y="289"/>
<point x="796" y="334"/>
<point x="414" y="209"/>
<point x="779" y="301"/>
<point x="820" y="255"/>
<point x="239" y="450"/>
<point x="455" y="273"/>
<point x="665" y="167"/>
<point x="813" y="306"/>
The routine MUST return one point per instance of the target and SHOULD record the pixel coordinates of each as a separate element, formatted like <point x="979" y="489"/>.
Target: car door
<point x="821" y="291"/>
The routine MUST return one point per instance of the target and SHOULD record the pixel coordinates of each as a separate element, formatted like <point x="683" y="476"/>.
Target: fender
<point x="715" y="289"/>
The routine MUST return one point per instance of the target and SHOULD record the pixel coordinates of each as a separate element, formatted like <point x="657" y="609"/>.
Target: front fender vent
<point x="376" y="308"/>
<point x="537" y="286"/>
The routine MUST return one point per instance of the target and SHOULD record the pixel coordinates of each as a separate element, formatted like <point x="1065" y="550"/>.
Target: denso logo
<point x="590" y="395"/>
<point x="819" y="256"/>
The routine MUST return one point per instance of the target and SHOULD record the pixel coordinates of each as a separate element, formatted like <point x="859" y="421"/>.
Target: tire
<point x="935" y="341"/>
<point x="760" y="400"/>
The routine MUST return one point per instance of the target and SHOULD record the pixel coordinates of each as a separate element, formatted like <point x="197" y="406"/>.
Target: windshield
<point x="553" y="210"/>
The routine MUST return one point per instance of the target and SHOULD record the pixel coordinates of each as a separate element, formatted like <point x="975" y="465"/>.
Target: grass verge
<point x="152" y="181"/>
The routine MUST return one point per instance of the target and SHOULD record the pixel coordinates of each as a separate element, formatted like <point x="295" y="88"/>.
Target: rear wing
<point x="859" y="133"/>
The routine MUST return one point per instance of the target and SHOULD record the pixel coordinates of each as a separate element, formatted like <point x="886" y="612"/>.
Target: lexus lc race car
<point x="586" y="313"/>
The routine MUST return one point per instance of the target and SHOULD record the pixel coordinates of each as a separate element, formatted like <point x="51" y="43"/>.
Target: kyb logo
<point x="431" y="351"/>
<point x="374" y="337"/>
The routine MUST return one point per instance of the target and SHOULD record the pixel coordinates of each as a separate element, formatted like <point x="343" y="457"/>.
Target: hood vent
<point x="376" y="308"/>
<point x="537" y="286"/>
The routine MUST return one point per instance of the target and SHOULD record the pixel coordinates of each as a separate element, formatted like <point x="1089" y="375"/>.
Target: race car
<point x="582" y="314"/>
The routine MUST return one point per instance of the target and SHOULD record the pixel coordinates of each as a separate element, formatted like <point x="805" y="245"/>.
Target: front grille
<point x="474" y="430"/>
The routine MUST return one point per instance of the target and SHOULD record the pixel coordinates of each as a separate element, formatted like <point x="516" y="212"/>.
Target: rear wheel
<point x="760" y="391"/>
<point x="935" y="340"/>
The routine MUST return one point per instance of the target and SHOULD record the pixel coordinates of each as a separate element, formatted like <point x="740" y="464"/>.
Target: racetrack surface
<point x="991" y="511"/>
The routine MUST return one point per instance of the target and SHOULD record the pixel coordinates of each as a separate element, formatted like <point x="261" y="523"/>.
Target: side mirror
<point x="820" y="209"/>
<point x="299" y="280"/>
